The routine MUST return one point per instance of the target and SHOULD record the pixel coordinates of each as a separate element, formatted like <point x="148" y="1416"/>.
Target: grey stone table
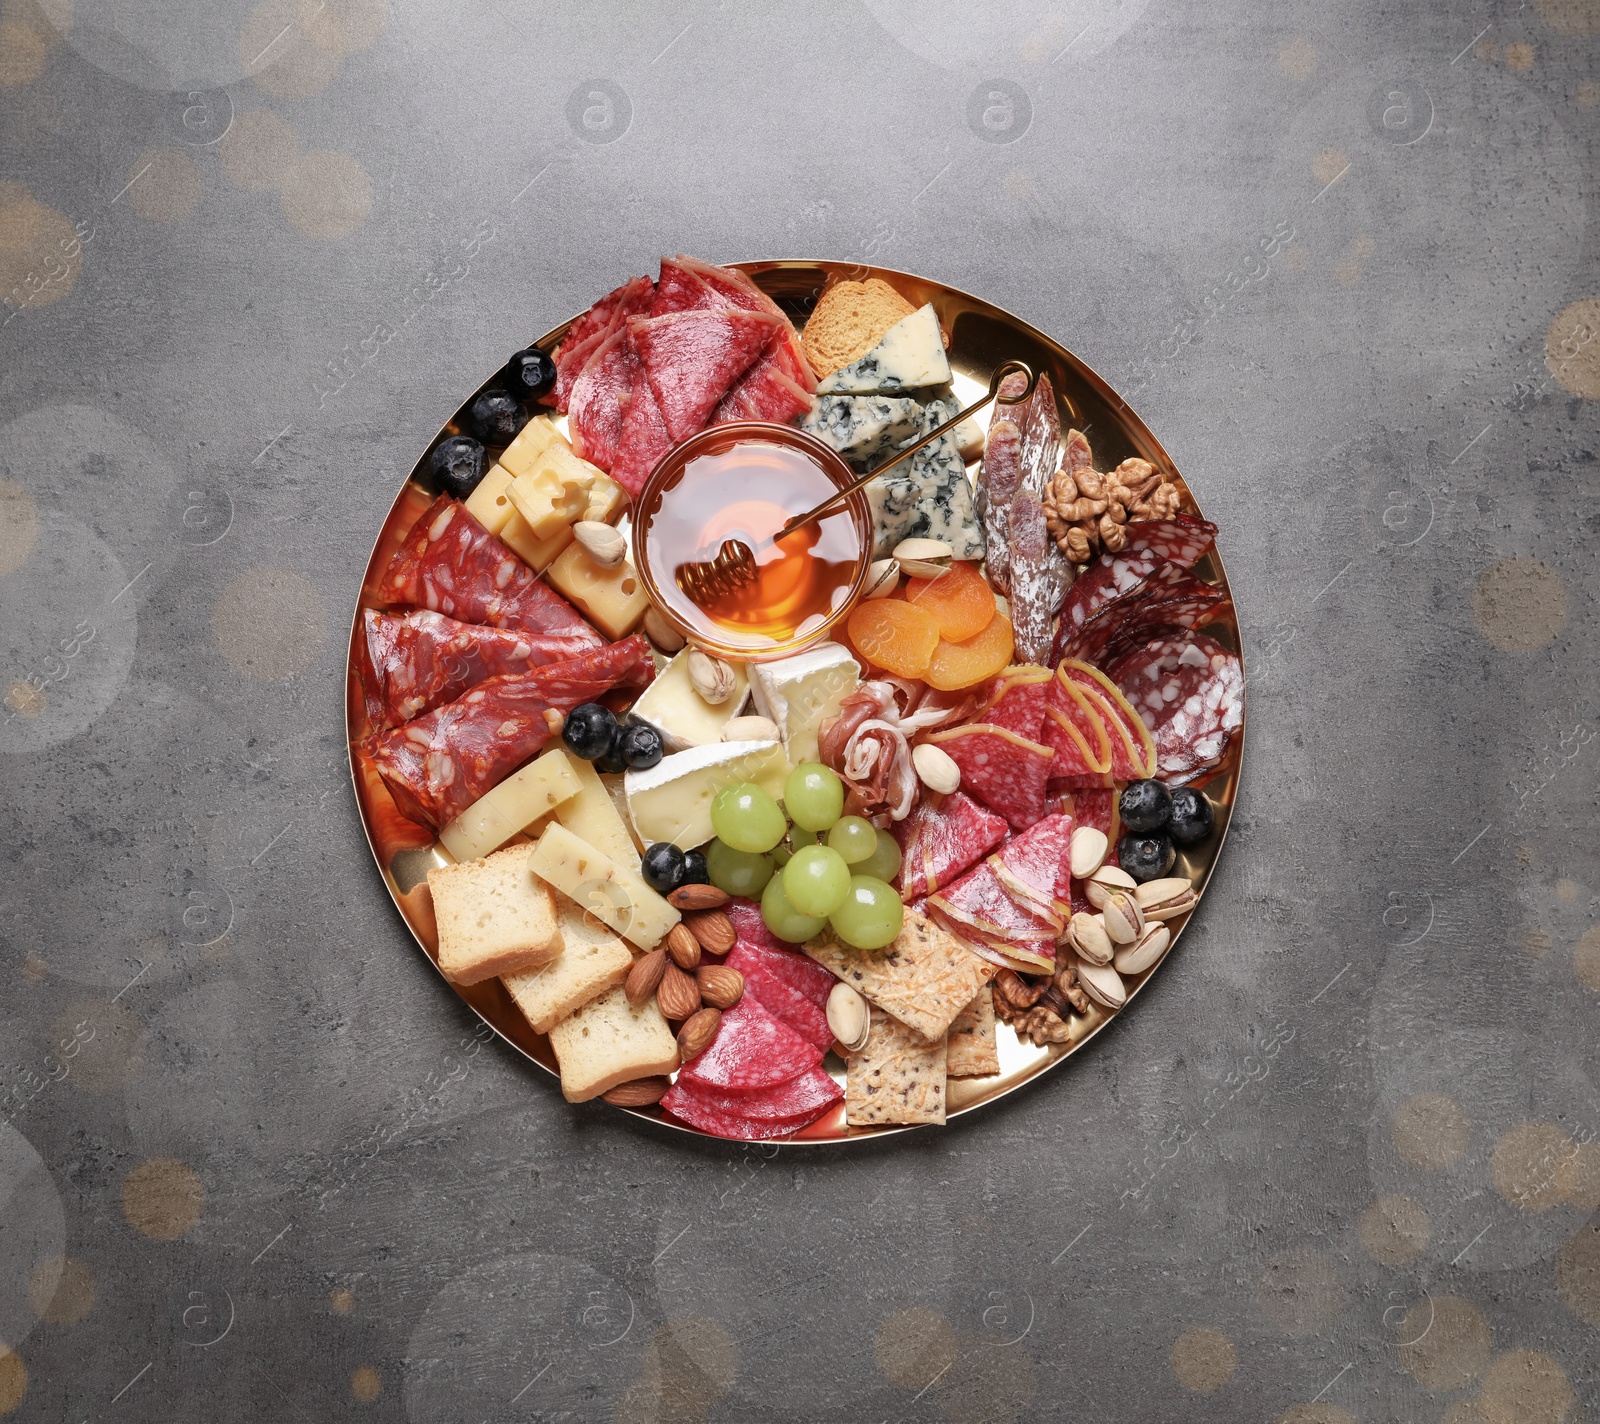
<point x="1340" y="1163"/>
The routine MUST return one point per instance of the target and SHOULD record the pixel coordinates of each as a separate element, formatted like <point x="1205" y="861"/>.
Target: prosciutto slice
<point x="420" y="660"/>
<point x="451" y="564"/>
<point x="440" y="763"/>
<point x="868" y="744"/>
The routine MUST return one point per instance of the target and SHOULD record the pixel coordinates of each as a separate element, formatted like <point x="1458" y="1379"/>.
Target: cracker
<point x="972" y="1050"/>
<point x="925" y="978"/>
<point x="897" y="1078"/>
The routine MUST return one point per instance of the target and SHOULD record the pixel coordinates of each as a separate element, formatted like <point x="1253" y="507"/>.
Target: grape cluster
<point x="811" y="866"/>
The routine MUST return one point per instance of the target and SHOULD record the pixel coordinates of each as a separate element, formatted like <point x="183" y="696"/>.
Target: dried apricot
<point x="960" y="599"/>
<point x="956" y="665"/>
<point x="894" y="636"/>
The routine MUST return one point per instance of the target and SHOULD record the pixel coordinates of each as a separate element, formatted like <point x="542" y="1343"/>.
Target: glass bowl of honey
<point x="745" y="481"/>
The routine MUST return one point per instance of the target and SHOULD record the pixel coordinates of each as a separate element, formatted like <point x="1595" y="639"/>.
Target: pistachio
<point x="1107" y="878"/>
<point x="601" y="542"/>
<point x="1124" y="919"/>
<point x="848" y="1017"/>
<point x="1086" y="851"/>
<point x="1103" y="984"/>
<point x="1087" y="935"/>
<point x="1165" y="899"/>
<point x="1152" y="943"/>
<point x="882" y="579"/>
<point x="751" y="729"/>
<point x="712" y="678"/>
<point x="937" y="768"/>
<point x="662" y="633"/>
<point x="923" y="558"/>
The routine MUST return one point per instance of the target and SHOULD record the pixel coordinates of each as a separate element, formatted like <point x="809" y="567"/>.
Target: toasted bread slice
<point x="848" y="320"/>
<point x="494" y="917"/>
<point x="610" y="1041"/>
<point x="592" y="960"/>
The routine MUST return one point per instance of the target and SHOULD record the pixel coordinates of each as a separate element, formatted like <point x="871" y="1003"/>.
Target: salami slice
<point x="751" y="1049"/>
<point x="1134" y="737"/>
<point x="749" y="927"/>
<point x="1018" y="701"/>
<point x="679" y="289"/>
<point x="421" y="660"/>
<point x="980" y="901"/>
<point x="693" y="358"/>
<point x="998" y="480"/>
<point x="1189" y="691"/>
<point x="642" y="439"/>
<point x="451" y="564"/>
<point x="1036" y="867"/>
<point x="440" y="763"/>
<point x="599" y="399"/>
<point x="1097" y="808"/>
<point x="1004" y="771"/>
<point x="1075" y="730"/>
<point x="1166" y="586"/>
<point x="807" y="1097"/>
<point x="1186" y="608"/>
<point x="1150" y="543"/>
<point x="682" y="1102"/>
<point x="765" y="981"/>
<point x="942" y="838"/>
<point x="767" y="391"/>
<point x="590" y="329"/>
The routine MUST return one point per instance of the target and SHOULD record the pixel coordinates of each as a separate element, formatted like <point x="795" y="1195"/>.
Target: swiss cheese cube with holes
<point x="592" y="960"/>
<point x="517" y="534"/>
<point x="612" y="599"/>
<point x="490" y="504"/>
<point x="537" y="436"/>
<point x="494" y="917"/>
<point x="610" y="1041"/>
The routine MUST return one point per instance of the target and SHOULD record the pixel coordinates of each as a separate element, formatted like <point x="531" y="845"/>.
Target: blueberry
<point x="1145" y="806"/>
<point x="611" y="763"/>
<point x="497" y="416"/>
<point x="695" y="871"/>
<point x="458" y="465"/>
<point x="1191" y="816"/>
<point x="529" y="372"/>
<point x="663" y="867"/>
<point x="590" y="731"/>
<point x="1145" y="857"/>
<point x="639" y="746"/>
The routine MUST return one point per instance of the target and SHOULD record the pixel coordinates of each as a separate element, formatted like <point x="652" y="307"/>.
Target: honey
<point x="746" y="489"/>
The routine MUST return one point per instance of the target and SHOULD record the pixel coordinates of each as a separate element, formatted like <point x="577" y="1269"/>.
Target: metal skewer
<point x="735" y="563"/>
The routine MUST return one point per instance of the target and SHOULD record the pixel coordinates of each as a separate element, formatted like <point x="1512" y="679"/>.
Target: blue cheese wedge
<point x="802" y="692"/>
<point x="927" y="497"/>
<point x="910" y="357"/>
<point x="864" y="429"/>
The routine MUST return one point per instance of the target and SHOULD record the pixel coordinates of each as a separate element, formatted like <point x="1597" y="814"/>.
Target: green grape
<point x="854" y="837"/>
<point x="814" y="796"/>
<point x="800" y="837"/>
<point x="737" y="871"/>
<point x="884" y="862"/>
<point x="781" y="853"/>
<point x="816" y="880"/>
<point x="783" y="919"/>
<point x="746" y="818"/>
<point x="871" y="915"/>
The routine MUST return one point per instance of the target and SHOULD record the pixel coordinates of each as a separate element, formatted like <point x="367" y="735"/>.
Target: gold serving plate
<point x="981" y="337"/>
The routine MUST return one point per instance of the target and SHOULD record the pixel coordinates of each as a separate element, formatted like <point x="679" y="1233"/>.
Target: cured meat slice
<point x="1004" y="771"/>
<point x="1036" y="867"/>
<point x="421" y="660"/>
<point x="941" y="839"/>
<point x="807" y="1096"/>
<point x="1187" y="608"/>
<point x="736" y="289"/>
<point x="1040" y="425"/>
<point x="1133" y="750"/>
<point x="750" y="928"/>
<point x="980" y="901"/>
<point x="765" y="976"/>
<point x="679" y="289"/>
<point x="1018" y="701"/>
<point x="1189" y="691"/>
<point x="1039" y="575"/>
<point x="692" y="358"/>
<point x="451" y="564"/>
<point x="599" y="399"/>
<point x="765" y="392"/>
<point x="1167" y="585"/>
<point x="999" y="478"/>
<point x="586" y="333"/>
<point x="1075" y="730"/>
<point x="1097" y="808"/>
<point x="642" y="440"/>
<point x="804" y="975"/>
<point x="683" y="1103"/>
<point x="440" y="763"/>
<point x="751" y="1049"/>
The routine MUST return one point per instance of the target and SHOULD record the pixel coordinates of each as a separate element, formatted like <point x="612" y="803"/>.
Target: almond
<point x="645" y="976"/>
<point x="720" y="986"/>
<point x="640" y="1093"/>
<point x="712" y="928"/>
<point x="698" y="1030"/>
<point x="697" y="897"/>
<point x="678" y="995"/>
<point x="683" y="947"/>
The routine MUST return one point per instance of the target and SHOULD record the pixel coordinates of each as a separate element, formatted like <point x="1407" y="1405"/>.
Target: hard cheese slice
<point x="752" y="1049"/>
<point x="515" y="803"/>
<point x="1004" y="771"/>
<point x="898" y="1078"/>
<point x="924" y="979"/>
<point x="941" y="838"/>
<point x="613" y="893"/>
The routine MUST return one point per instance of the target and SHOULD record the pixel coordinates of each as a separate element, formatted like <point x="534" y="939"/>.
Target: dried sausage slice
<point x="1189" y="691"/>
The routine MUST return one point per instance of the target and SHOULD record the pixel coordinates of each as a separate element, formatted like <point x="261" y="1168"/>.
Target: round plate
<point x="981" y="337"/>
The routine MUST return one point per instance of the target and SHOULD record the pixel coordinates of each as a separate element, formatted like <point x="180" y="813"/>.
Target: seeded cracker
<point x="924" y="979"/>
<point x="897" y="1078"/>
<point x="972" y="1052"/>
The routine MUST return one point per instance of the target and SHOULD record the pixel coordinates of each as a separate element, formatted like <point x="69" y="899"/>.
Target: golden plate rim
<point x="946" y="298"/>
